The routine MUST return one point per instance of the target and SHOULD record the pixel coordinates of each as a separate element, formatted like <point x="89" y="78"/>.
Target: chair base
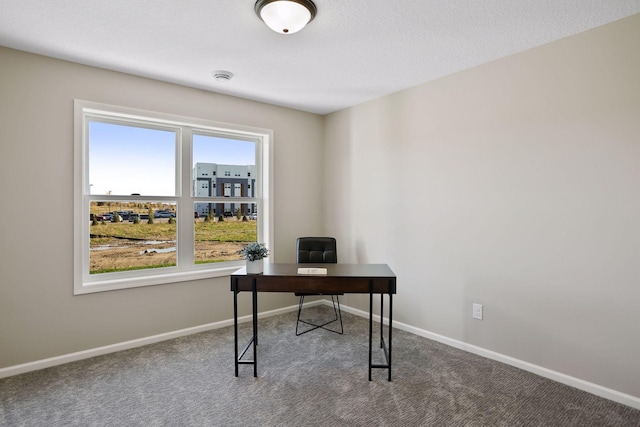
<point x="338" y="317"/>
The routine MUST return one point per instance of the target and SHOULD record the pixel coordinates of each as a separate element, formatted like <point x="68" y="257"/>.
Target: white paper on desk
<point x="312" y="270"/>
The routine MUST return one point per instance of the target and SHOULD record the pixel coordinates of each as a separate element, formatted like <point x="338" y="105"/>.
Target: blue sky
<point x="126" y="159"/>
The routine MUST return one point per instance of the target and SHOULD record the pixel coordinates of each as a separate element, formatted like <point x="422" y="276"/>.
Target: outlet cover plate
<point x="477" y="311"/>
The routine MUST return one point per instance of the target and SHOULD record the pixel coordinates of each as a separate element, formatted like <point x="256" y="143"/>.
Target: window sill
<point x="152" y="280"/>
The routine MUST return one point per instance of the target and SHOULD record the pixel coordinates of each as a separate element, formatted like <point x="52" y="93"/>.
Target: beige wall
<point x="516" y="185"/>
<point x="39" y="316"/>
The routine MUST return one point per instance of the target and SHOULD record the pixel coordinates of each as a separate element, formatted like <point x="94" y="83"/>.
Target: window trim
<point x="186" y="269"/>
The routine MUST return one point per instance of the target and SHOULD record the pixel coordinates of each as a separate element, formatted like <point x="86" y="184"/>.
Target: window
<point x="141" y="176"/>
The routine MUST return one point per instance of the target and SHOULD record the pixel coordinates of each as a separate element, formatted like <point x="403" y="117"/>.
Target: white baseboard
<point x="592" y="388"/>
<point x="598" y="390"/>
<point x="99" y="351"/>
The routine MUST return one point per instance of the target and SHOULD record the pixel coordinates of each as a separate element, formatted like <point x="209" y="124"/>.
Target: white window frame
<point x="186" y="269"/>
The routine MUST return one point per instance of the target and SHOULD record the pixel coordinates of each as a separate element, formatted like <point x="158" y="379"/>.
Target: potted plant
<point x="254" y="253"/>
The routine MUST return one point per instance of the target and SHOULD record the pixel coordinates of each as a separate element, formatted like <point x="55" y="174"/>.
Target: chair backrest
<point x="317" y="250"/>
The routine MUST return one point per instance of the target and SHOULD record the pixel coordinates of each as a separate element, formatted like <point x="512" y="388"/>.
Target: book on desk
<point x="312" y="271"/>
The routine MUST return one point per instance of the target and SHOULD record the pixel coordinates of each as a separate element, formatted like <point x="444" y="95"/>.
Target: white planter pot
<point x="255" y="267"/>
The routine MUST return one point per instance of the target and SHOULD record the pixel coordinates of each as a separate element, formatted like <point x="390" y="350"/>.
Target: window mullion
<point x="185" y="205"/>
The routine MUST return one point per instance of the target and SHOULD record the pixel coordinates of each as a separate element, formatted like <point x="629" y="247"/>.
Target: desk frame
<point x="340" y="278"/>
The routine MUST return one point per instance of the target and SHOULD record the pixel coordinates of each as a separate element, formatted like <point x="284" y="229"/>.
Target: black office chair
<point x="318" y="250"/>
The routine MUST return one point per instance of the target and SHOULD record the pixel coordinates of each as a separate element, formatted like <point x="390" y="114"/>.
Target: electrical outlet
<point x="477" y="311"/>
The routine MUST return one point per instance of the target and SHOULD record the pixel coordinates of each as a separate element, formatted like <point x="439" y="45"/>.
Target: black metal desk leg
<point x="234" y="281"/>
<point x="370" y="324"/>
<point x="381" y="320"/>
<point x="255" y="326"/>
<point x="390" y="329"/>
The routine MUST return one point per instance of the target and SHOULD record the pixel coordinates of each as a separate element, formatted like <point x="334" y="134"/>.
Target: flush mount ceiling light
<point x="286" y="16"/>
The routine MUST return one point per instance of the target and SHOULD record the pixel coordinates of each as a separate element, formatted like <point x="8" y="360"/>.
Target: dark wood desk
<point x="340" y="278"/>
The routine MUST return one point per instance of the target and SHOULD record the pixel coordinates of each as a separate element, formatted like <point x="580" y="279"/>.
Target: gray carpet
<point x="317" y="379"/>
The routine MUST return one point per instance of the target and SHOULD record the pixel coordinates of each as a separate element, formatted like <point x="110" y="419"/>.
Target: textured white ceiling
<point x="353" y="51"/>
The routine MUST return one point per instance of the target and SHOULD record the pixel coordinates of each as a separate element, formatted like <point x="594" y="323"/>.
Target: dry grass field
<point x="127" y="255"/>
<point x="119" y="246"/>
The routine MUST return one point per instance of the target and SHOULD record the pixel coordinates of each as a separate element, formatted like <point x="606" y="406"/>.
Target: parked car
<point x="124" y="214"/>
<point x="253" y="216"/>
<point x="140" y="217"/>
<point x="164" y="214"/>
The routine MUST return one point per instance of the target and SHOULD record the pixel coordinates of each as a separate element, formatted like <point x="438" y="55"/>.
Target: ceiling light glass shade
<point x="286" y="16"/>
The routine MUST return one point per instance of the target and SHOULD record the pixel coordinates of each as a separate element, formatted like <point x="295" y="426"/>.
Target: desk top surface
<point x="340" y="278"/>
<point x="333" y="270"/>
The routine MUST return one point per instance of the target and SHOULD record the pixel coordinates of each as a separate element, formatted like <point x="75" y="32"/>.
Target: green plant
<point x="150" y="221"/>
<point x="172" y="220"/>
<point x="221" y="218"/>
<point x="254" y="251"/>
